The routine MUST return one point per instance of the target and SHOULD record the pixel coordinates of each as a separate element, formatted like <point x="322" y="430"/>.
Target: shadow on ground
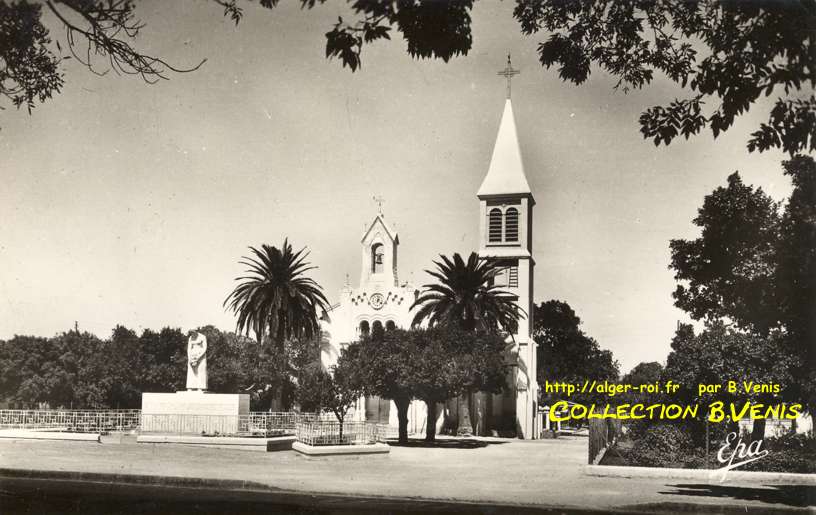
<point x="447" y="443"/>
<point x="789" y="495"/>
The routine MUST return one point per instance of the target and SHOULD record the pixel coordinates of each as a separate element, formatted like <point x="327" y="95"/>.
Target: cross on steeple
<point x="379" y="201"/>
<point x="508" y="73"/>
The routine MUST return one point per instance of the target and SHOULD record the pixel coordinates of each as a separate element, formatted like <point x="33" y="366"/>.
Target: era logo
<point x="746" y="454"/>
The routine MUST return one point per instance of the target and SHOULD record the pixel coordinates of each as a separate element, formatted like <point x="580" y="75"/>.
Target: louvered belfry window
<point x="511" y="225"/>
<point x="512" y="280"/>
<point x="494" y="228"/>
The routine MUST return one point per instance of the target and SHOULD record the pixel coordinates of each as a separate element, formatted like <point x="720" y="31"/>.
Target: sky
<point x="132" y="204"/>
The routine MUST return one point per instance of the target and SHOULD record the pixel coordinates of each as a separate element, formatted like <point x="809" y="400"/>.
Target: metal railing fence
<point x="78" y="421"/>
<point x="258" y="423"/>
<point x="325" y="432"/>
<point x="254" y="424"/>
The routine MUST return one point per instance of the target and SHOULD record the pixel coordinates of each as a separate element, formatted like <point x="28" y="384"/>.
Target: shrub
<point x="788" y="453"/>
<point x="662" y="445"/>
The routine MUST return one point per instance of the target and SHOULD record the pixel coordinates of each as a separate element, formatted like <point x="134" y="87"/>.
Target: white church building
<point x="506" y="236"/>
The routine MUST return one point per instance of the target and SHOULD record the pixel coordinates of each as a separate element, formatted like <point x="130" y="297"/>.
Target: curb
<point x="710" y="476"/>
<point x="135" y="479"/>
<point x="200" y="489"/>
<point x="22" y="434"/>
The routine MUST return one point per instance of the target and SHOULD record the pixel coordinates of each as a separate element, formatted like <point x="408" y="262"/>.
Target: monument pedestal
<point x="194" y="412"/>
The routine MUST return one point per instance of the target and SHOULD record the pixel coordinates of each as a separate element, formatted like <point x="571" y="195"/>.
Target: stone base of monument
<point x="340" y="450"/>
<point x="193" y="412"/>
<point x="278" y="443"/>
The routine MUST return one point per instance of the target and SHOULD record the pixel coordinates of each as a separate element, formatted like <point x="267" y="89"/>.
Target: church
<point x="506" y="237"/>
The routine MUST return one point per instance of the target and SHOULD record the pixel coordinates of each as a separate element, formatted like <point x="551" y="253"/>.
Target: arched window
<point x="390" y="325"/>
<point x="511" y="224"/>
<point x="494" y="225"/>
<point x="364" y="330"/>
<point x="377" y="258"/>
<point x="377" y="326"/>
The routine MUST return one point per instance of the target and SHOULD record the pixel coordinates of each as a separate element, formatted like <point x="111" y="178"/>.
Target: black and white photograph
<point x="407" y="256"/>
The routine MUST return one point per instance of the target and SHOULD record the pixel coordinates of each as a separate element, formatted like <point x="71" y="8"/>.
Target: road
<point x="490" y="476"/>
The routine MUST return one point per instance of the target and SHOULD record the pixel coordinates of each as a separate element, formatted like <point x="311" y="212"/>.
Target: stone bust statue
<point x="197" y="362"/>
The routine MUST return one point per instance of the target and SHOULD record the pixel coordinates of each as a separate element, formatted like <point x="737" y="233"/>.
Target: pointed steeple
<point x="505" y="176"/>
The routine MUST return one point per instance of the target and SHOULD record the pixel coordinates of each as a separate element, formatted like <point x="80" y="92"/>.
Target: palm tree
<point x="277" y="298"/>
<point x="464" y="296"/>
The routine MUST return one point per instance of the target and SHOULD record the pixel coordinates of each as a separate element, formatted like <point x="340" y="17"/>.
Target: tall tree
<point x="729" y="269"/>
<point x="796" y="273"/>
<point x="755" y="267"/>
<point x="465" y="297"/>
<point x="277" y="299"/>
<point x="565" y="353"/>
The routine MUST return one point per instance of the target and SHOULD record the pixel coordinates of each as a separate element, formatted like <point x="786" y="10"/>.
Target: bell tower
<point x="379" y="247"/>
<point x="506" y="237"/>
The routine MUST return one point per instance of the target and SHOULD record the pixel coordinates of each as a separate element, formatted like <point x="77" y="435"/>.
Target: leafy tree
<point x="796" y="273"/>
<point x="724" y="54"/>
<point x="642" y="373"/>
<point x="720" y="354"/>
<point x="77" y="369"/>
<point x="31" y="372"/>
<point x="445" y="368"/>
<point x="336" y="391"/>
<point x="163" y="357"/>
<point x="432" y="365"/>
<point x="30" y="69"/>
<point x="465" y="297"/>
<point x="126" y="364"/>
<point x="729" y="269"/>
<point x="755" y="267"/>
<point x="386" y="364"/>
<point x="565" y="353"/>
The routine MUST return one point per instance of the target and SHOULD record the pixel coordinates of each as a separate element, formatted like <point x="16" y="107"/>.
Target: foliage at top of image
<point x="725" y="55"/>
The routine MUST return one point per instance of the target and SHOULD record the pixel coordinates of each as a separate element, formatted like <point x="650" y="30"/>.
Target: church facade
<point x="505" y="237"/>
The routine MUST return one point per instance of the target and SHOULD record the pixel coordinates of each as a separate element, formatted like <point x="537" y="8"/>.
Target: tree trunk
<point x="430" y="426"/>
<point x="465" y="426"/>
<point x="402" y="417"/>
<point x="758" y="432"/>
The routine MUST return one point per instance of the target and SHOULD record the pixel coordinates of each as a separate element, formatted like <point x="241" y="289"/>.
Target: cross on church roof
<point x="379" y="201"/>
<point x="508" y="73"/>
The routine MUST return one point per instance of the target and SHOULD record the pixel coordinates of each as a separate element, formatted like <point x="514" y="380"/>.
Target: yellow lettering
<point x="715" y="412"/>
<point x="555" y="408"/>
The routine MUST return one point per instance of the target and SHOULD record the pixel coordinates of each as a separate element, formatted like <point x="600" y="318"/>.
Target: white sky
<point x="123" y="203"/>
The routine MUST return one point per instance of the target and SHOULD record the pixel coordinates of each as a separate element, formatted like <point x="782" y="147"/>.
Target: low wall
<point x="193" y="412"/>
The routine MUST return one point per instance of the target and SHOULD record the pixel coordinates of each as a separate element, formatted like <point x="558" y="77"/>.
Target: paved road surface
<point x="494" y="476"/>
